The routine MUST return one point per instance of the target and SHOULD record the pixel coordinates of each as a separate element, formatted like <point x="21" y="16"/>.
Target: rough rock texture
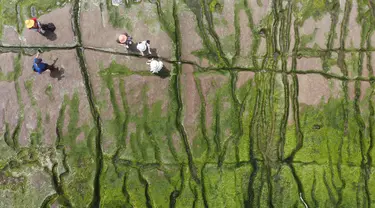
<point x="240" y="116"/>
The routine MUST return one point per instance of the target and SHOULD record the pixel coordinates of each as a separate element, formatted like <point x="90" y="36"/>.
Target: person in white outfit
<point x="143" y="46"/>
<point x="155" y="65"/>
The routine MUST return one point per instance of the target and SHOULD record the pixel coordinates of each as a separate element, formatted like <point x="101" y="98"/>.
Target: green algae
<point x="37" y="133"/>
<point x="322" y="128"/>
<point x="77" y="154"/>
<point x="220" y="187"/>
<point x="314" y="9"/>
<point x="115" y="18"/>
<point x="112" y="190"/>
<point x="136" y="189"/>
<point x="215" y="6"/>
<point x="15" y="134"/>
<point x="148" y="128"/>
<point x="322" y="148"/>
<point x="9" y="14"/>
<point x="7" y="77"/>
<point x="22" y="176"/>
<point x="48" y="92"/>
<point x="160" y="187"/>
<point x="306" y="39"/>
<point x="77" y="182"/>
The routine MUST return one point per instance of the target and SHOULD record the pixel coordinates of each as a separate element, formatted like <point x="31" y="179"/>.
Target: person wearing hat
<point x="143" y="46"/>
<point x="125" y="39"/>
<point x="38" y="65"/>
<point x="155" y="65"/>
<point x="34" y="24"/>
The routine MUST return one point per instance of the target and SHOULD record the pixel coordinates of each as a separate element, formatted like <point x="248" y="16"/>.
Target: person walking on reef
<point x="125" y="39"/>
<point x="35" y="25"/>
<point x="143" y="46"/>
<point x="155" y="65"/>
<point x="38" y="65"/>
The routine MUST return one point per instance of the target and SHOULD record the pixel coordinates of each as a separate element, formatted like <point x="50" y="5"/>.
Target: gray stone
<point x="20" y="22"/>
<point x="116" y="2"/>
<point x="275" y="56"/>
<point x="33" y="11"/>
<point x="30" y="52"/>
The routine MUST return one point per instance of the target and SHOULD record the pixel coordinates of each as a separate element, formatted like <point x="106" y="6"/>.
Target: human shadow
<point x="154" y="52"/>
<point x="133" y="48"/>
<point x="50" y="35"/>
<point x="56" y="72"/>
<point x="163" y="73"/>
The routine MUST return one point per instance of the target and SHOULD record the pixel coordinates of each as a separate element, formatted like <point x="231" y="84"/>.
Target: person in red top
<point x="34" y="24"/>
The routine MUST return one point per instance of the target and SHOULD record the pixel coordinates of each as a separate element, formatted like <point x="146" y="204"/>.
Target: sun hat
<point x="155" y="66"/>
<point x="29" y="23"/>
<point x="122" y="38"/>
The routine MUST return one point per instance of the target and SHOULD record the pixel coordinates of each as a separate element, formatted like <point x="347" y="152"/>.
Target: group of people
<point x="33" y="24"/>
<point x="143" y="47"/>
<point x="124" y="39"/>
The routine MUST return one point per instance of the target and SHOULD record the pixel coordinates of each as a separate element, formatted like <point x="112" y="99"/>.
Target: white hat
<point x="155" y="66"/>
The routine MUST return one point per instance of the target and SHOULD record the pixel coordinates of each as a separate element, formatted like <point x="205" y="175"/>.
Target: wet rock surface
<point x="258" y="104"/>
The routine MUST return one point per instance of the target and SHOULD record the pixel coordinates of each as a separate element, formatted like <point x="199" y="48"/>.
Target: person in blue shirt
<point x="38" y="65"/>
